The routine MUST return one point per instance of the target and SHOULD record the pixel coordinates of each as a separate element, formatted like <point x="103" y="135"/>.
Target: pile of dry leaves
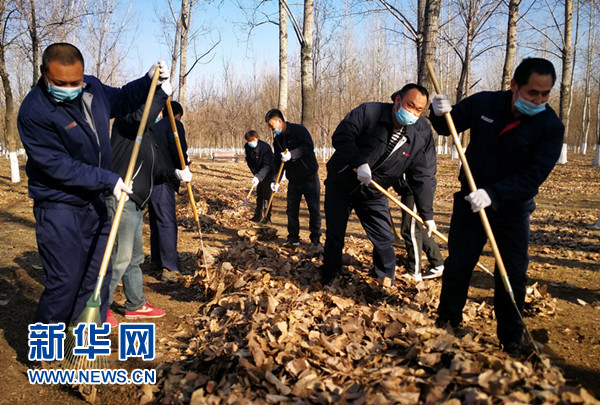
<point x="267" y="334"/>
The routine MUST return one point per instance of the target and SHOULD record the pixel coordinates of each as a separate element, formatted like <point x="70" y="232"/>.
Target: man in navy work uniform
<point x="301" y="168"/>
<point x="378" y="141"/>
<point x="162" y="214"/>
<point x="64" y="125"/>
<point x="516" y="139"/>
<point x="259" y="157"/>
<point x="128" y="253"/>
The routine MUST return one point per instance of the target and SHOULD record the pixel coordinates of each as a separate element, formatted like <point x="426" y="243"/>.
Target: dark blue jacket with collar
<point x="69" y="160"/>
<point x="511" y="165"/>
<point x="259" y="159"/>
<point x="362" y="137"/>
<point x="303" y="163"/>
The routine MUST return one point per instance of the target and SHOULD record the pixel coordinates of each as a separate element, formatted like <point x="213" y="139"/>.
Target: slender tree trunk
<point x="585" y="122"/>
<point x="35" y="46"/>
<point x="175" y="54"/>
<point x="10" y="124"/>
<point x="429" y="45"/>
<point x="283" y="59"/>
<point x="306" y="67"/>
<point x="596" y="161"/>
<point x="186" y="13"/>
<point x="511" y="43"/>
<point x="565" y="84"/>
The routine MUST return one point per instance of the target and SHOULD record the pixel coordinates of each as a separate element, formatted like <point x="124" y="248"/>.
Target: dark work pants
<point x="163" y="227"/>
<point x="416" y="239"/>
<point x="71" y="243"/>
<point x="310" y="188"/>
<point x="263" y="193"/>
<point x="374" y="217"/>
<point x="466" y="241"/>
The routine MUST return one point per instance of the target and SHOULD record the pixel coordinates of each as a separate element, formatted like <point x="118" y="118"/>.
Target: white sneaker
<point x="433" y="272"/>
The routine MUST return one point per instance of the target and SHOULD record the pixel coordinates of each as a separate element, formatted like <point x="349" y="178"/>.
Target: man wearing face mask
<point x="259" y="157"/>
<point x="294" y="147"/>
<point x="64" y="124"/>
<point x="379" y="141"/>
<point x="516" y="139"/>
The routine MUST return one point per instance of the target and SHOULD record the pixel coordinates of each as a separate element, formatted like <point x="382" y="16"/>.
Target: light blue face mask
<point x="529" y="108"/>
<point x="64" y="93"/>
<point x="277" y="131"/>
<point x="405" y="118"/>
<point x="253" y="144"/>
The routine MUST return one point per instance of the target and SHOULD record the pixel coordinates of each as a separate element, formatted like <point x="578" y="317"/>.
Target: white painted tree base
<point x="15" y="176"/>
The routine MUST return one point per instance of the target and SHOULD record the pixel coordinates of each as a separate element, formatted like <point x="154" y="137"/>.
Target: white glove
<point x="255" y="181"/>
<point x="363" y="174"/>
<point x="274" y="187"/>
<point x="430" y="226"/>
<point x="119" y="188"/>
<point x="167" y="87"/>
<point x="479" y="200"/>
<point x="286" y="156"/>
<point x="164" y="71"/>
<point x="283" y="178"/>
<point x="184" y="175"/>
<point x="440" y="104"/>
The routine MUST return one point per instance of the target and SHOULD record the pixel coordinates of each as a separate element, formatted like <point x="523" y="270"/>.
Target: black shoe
<point x="445" y="324"/>
<point x="291" y="243"/>
<point x="326" y="276"/>
<point x="256" y="218"/>
<point x="516" y="349"/>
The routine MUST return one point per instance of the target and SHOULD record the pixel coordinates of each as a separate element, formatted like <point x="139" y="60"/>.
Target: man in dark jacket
<point x="516" y="139"/>
<point x="128" y="253"/>
<point x="294" y="147"/>
<point x="380" y="141"/>
<point x="162" y="214"/>
<point x="259" y="157"/>
<point x="64" y="125"/>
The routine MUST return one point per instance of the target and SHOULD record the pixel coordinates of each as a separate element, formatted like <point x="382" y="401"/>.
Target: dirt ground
<point x="564" y="250"/>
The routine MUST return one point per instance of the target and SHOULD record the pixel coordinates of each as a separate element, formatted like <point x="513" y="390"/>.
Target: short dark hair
<point x="251" y="134"/>
<point x="402" y="92"/>
<point x="274" y="113"/>
<point x="61" y="52"/>
<point x="528" y="66"/>
<point x="176" y="107"/>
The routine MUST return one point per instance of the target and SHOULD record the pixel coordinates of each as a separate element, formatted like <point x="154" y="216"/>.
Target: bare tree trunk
<point x="10" y="124"/>
<point x="430" y="33"/>
<point x="596" y="161"/>
<point x="35" y="45"/>
<point x="585" y="122"/>
<point x="306" y="67"/>
<point x="175" y="54"/>
<point x="186" y="13"/>
<point x="511" y="43"/>
<point x="565" y="83"/>
<point x="283" y="59"/>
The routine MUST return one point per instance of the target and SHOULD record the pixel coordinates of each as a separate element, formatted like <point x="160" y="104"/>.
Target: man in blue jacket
<point x="161" y="211"/>
<point x="516" y="139"/>
<point x="379" y="141"/>
<point x="259" y="157"/>
<point x="294" y="147"/>
<point x="64" y="125"/>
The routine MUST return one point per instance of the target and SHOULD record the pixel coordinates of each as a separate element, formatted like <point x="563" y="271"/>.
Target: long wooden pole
<point x="482" y="214"/>
<point x="273" y="194"/>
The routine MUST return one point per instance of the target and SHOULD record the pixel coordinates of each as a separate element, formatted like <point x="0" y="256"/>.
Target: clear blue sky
<point x="224" y="22"/>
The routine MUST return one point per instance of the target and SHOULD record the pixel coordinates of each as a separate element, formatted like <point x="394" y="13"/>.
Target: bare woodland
<point x="345" y="53"/>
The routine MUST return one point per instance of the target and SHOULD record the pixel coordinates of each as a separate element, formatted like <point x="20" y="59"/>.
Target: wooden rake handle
<point x="472" y="186"/>
<point x="128" y="176"/>
<point x="276" y="182"/>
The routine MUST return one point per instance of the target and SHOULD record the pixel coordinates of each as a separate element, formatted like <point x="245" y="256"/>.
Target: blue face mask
<point x="157" y="119"/>
<point x="405" y="118"/>
<point x="529" y="108"/>
<point x="253" y="144"/>
<point x="277" y="131"/>
<point x="64" y="93"/>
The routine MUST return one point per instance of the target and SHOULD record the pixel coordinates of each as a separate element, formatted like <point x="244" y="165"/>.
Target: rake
<point x="245" y="202"/>
<point x="262" y="221"/>
<point x="482" y="215"/>
<point x="188" y="185"/>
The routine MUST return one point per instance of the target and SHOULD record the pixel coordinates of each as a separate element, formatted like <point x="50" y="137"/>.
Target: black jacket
<point x="167" y="155"/>
<point x="303" y="163"/>
<point x="259" y="159"/>
<point x="122" y="139"/>
<point x="362" y="137"/>
<point x="509" y="166"/>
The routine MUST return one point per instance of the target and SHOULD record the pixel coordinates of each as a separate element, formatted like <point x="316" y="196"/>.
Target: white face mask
<point x="253" y="144"/>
